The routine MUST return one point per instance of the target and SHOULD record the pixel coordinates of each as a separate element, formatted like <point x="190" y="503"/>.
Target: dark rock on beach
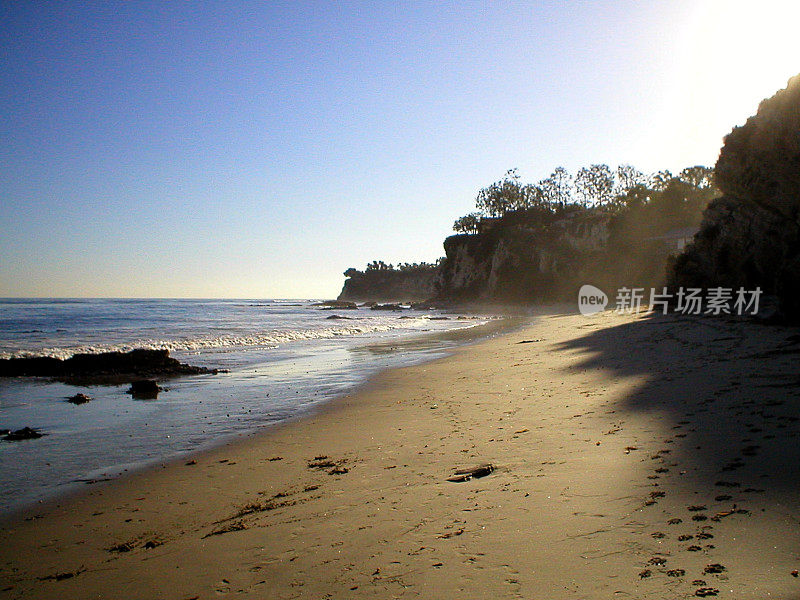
<point x="104" y="368"/>
<point x="26" y="433"/>
<point x="145" y="389"/>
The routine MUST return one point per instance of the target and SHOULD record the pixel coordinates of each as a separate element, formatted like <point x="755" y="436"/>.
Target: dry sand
<point x="631" y="453"/>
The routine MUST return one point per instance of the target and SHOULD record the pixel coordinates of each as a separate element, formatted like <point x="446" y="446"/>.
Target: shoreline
<point x="423" y="346"/>
<point x="582" y="419"/>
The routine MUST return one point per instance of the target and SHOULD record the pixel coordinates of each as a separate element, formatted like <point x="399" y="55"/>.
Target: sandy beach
<point x="635" y="457"/>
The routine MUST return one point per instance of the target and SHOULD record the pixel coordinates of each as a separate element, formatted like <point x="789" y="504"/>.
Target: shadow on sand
<point x="733" y="386"/>
<point x="727" y="396"/>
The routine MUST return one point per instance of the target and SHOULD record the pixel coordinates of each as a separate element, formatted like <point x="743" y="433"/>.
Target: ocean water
<point x="283" y="357"/>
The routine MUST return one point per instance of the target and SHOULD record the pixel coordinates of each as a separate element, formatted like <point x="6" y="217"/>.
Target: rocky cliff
<point x="518" y="261"/>
<point x="533" y="262"/>
<point x="751" y="236"/>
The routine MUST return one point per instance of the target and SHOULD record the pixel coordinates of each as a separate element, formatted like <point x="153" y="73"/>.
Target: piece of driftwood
<point x="470" y="472"/>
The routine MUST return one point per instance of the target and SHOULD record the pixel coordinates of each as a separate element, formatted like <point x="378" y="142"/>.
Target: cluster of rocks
<point x="336" y="305"/>
<point x="103" y="368"/>
<point x="138" y="367"/>
<point x="373" y="305"/>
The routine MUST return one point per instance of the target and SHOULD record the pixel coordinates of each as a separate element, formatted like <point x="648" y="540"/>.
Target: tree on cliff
<point x="679" y="203"/>
<point x="556" y="190"/>
<point x="628" y="177"/>
<point x="468" y="224"/>
<point x="635" y="197"/>
<point x="698" y="176"/>
<point x="595" y="185"/>
<point x="659" y="180"/>
<point x="505" y="196"/>
<point x="647" y="206"/>
<point x="379" y="265"/>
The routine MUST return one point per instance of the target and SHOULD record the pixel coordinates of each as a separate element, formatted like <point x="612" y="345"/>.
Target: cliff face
<point x="738" y="245"/>
<point x="389" y="285"/>
<point x="522" y="263"/>
<point x="751" y="236"/>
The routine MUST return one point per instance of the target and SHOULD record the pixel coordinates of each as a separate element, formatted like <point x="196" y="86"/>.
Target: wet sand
<point x="634" y="457"/>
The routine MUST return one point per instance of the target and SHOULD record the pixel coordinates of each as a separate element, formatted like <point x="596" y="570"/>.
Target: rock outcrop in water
<point x="750" y="237"/>
<point x="26" y="433"/>
<point x="107" y="367"/>
<point x="144" y="389"/>
<point x="79" y="399"/>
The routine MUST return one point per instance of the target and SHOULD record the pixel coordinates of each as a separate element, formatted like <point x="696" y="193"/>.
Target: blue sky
<point x="238" y="149"/>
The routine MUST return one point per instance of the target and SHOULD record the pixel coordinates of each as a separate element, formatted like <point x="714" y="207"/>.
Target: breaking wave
<point x="272" y="339"/>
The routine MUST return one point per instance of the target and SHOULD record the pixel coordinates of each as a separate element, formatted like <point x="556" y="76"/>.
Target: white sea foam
<point x="271" y="339"/>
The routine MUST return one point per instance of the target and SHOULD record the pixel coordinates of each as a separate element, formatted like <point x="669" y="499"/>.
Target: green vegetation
<point x="378" y="266"/>
<point x="648" y="205"/>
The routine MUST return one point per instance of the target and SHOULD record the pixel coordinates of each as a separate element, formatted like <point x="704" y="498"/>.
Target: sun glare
<point x="732" y="55"/>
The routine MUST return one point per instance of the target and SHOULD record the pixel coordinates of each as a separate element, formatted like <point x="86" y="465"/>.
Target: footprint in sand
<point x="706" y="591"/>
<point x="750" y="450"/>
<point x="658" y="535"/>
<point x="223" y="587"/>
<point x="714" y="568"/>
